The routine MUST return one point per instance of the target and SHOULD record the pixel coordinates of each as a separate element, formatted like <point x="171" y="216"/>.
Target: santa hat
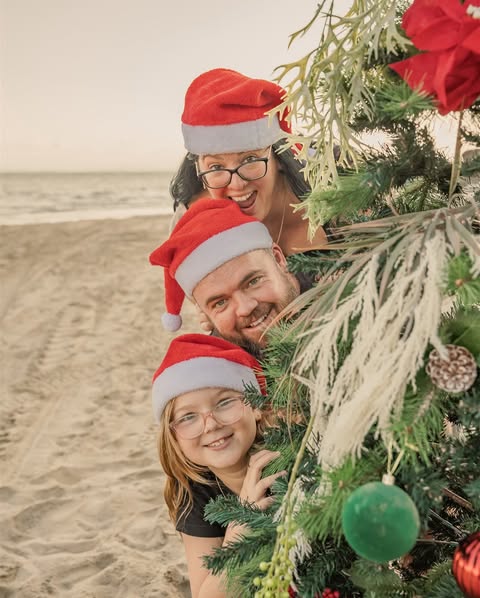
<point x="226" y="112"/>
<point x="209" y="234"/>
<point x="195" y="361"/>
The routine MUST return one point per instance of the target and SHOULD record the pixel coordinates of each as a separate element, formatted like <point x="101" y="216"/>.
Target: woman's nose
<point x="237" y="182"/>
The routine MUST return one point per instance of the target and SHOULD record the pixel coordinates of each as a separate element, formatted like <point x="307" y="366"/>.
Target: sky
<point x="98" y="85"/>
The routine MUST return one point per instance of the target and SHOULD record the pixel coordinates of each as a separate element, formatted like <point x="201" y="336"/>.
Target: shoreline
<point x="82" y="216"/>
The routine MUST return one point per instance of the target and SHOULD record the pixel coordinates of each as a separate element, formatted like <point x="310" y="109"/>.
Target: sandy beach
<point x="81" y="488"/>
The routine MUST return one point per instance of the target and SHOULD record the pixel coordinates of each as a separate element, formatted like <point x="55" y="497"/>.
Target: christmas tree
<point x="375" y="368"/>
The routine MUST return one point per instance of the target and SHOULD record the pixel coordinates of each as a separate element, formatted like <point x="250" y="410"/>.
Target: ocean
<point x="34" y="198"/>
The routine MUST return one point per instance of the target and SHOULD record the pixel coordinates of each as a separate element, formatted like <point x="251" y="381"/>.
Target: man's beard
<point x="251" y="347"/>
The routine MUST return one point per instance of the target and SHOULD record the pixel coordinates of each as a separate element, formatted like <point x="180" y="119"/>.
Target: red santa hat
<point x="209" y="234"/>
<point x="195" y="361"/>
<point x="226" y="112"/>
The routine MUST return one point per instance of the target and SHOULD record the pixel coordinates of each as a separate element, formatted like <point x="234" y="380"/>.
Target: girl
<point x="207" y="438"/>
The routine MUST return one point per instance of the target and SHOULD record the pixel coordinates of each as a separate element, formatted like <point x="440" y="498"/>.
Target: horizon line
<point x="87" y="171"/>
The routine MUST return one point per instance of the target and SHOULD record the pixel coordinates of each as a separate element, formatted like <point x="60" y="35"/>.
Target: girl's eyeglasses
<point x="227" y="411"/>
<point x="248" y="171"/>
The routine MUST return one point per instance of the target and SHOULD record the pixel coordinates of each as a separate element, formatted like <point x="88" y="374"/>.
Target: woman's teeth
<point x="242" y="198"/>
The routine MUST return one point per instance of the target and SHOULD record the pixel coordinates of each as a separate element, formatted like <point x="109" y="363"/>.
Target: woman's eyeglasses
<point x="227" y="411"/>
<point x="248" y="171"/>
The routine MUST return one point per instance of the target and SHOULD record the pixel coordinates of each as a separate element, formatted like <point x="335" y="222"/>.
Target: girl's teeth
<point x="218" y="442"/>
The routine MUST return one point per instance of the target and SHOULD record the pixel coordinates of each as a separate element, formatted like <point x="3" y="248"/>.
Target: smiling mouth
<point x="259" y="321"/>
<point x="245" y="201"/>
<point x="219" y="442"/>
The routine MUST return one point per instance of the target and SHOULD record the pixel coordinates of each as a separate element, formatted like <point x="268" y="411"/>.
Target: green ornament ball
<point x="380" y="522"/>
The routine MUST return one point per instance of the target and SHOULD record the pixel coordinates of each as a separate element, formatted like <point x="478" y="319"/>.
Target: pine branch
<point x="328" y="85"/>
<point x="461" y="280"/>
<point x="463" y="328"/>
<point x="424" y="486"/>
<point x="419" y="423"/>
<point x="254" y="398"/>
<point x="320" y="516"/>
<point x="240" y="560"/>
<point x="227" y="509"/>
<point x="473" y="491"/>
<point x="471" y="167"/>
<point x="397" y="101"/>
<point x="404" y="276"/>
<point x="440" y="582"/>
<point x="312" y="263"/>
<point x="326" y="567"/>
<point x="381" y="580"/>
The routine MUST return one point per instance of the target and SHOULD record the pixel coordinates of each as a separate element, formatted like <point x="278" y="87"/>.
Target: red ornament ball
<point x="466" y="565"/>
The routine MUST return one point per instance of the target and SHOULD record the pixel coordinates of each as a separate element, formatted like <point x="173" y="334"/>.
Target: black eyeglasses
<point x="248" y="171"/>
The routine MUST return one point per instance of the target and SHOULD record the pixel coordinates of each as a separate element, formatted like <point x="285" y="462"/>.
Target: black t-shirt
<point x="193" y="523"/>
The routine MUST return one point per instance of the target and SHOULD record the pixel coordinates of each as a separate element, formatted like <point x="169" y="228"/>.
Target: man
<point x="228" y="264"/>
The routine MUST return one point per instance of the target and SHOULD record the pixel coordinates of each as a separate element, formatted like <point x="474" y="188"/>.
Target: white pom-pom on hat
<point x="171" y="322"/>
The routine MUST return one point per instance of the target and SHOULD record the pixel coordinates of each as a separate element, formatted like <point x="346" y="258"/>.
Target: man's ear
<point x="257" y="414"/>
<point x="204" y="320"/>
<point x="279" y="257"/>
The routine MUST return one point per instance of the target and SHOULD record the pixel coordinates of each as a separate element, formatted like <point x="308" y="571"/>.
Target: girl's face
<point x="257" y="198"/>
<point x="221" y="448"/>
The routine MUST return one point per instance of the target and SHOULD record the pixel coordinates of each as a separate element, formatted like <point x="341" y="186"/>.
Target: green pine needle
<point x="397" y="101"/>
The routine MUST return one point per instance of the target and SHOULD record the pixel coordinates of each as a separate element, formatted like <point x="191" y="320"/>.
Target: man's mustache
<point x="259" y="312"/>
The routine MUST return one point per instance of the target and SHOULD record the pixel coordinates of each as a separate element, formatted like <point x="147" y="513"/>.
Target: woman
<point x="207" y="444"/>
<point x="234" y="152"/>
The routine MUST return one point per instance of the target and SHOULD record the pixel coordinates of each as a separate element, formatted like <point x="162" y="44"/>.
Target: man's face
<point x="243" y="296"/>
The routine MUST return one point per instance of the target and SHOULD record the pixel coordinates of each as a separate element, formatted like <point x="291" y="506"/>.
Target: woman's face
<point x="258" y="198"/>
<point x="221" y="448"/>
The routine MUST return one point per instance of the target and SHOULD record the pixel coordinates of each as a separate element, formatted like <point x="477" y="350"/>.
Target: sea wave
<point x="36" y="198"/>
<point x="77" y="215"/>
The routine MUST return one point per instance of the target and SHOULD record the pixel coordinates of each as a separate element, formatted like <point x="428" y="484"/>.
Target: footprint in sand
<point x="66" y="476"/>
<point x="8" y="572"/>
<point x="7" y="494"/>
<point x="78" y="570"/>
<point x="42" y="517"/>
<point x="176" y="575"/>
<point x="144" y="531"/>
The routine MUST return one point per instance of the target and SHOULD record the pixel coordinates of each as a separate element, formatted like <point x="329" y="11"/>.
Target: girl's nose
<point x="210" y="423"/>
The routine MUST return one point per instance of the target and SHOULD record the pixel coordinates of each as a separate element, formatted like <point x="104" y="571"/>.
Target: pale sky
<point x="98" y="85"/>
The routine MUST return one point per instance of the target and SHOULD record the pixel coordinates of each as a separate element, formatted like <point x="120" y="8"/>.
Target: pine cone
<point x="455" y="374"/>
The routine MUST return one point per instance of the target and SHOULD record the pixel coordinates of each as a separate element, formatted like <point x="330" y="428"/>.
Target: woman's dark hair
<point x="185" y="184"/>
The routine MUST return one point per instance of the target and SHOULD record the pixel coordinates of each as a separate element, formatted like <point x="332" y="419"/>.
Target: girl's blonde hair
<point x="180" y="471"/>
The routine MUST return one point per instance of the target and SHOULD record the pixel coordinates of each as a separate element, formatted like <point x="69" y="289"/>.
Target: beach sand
<point x="81" y="489"/>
